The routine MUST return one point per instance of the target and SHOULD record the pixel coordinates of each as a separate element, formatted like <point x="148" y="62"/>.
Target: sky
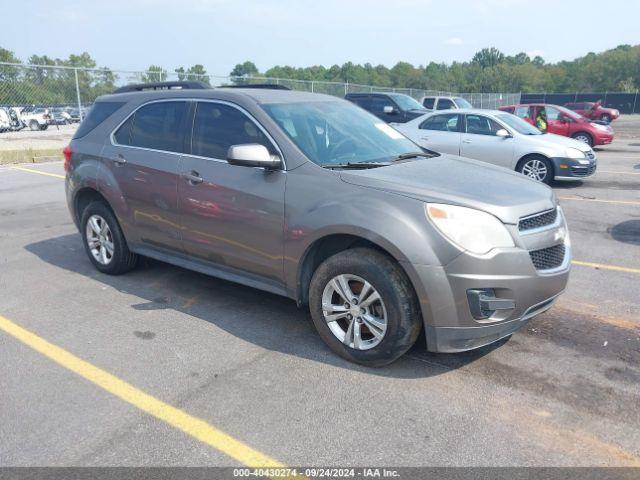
<point x="133" y="34"/>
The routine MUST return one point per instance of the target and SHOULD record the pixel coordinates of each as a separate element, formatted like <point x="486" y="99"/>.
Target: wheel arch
<point x="330" y="244"/>
<point x="528" y="156"/>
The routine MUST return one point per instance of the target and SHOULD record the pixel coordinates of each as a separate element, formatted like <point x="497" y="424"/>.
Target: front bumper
<point x="571" y="168"/>
<point x="509" y="272"/>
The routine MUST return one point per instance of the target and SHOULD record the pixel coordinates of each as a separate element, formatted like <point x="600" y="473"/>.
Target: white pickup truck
<point x="36" y="119"/>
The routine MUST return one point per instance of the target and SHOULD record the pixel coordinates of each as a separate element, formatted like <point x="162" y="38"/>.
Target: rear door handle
<point x="466" y="141"/>
<point x="424" y="138"/>
<point x="192" y="177"/>
<point x="119" y="160"/>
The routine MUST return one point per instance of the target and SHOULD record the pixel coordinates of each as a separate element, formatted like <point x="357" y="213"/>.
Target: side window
<point x="522" y="112"/>
<point x="98" y="114"/>
<point x="378" y="102"/>
<point x="363" y="102"/>
<point x="481" y="125"/>
<point x="442" y="123"/>
<point x="123" y="134"/>
<point x="552" y="113"/>
<point x="428" y="103"/>
<point x="445" y="104"/>
<point x="159" y="126"/>
<point x="217" y="126"/>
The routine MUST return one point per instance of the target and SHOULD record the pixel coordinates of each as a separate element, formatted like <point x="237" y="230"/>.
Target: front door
<point x="480" y="141"/>
<point x="557" y="122"/>
<point x="232" y="216"/>
<point x="143" y="162"/>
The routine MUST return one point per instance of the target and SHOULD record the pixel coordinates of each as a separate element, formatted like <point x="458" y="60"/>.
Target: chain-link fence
<point x="61" y="86"/>
<point x="70" y="89"/>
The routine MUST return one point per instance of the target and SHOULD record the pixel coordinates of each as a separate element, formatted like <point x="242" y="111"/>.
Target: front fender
<point x="395" y="223"/>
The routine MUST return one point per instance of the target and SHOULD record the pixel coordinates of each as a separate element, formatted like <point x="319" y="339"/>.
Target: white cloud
<point x="456" y="41"/>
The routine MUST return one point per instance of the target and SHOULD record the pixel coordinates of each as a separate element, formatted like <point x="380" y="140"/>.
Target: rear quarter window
<point x="98" y="114"/>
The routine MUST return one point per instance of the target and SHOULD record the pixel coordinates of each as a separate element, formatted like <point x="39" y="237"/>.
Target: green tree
<point x="488" y="57"/>
<point x="244" y="69"/>
<point x="154" y="73"/>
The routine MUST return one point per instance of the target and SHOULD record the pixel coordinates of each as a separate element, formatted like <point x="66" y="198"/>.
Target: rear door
<point x="440" y="133"/>
<point x="233" y="216"/>
<point x="479" y="141"/>
<point x="525" y="112"/>
<point x="143" y="159"/>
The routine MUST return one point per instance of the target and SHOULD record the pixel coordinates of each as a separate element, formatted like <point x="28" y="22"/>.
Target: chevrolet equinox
<point x="310" y="197"/>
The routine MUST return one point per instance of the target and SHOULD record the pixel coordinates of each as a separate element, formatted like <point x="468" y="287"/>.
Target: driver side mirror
<point x="503" y="133"/>
<point x="389" y="110"/>
<point x="252" y="155"/>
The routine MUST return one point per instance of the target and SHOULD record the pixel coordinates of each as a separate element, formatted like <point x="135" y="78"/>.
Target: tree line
<point x="489" y="70"/>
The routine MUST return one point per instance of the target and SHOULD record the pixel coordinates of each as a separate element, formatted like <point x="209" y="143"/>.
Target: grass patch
<point x="30" y="155"/>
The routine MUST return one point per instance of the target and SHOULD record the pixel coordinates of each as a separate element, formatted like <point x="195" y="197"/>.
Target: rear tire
<point x="108" y="250"/>
<point x="33" y="125"/>
<point x="367" y="271"/>
<point x="583" y="137"/>
<point x="537" y="168"/>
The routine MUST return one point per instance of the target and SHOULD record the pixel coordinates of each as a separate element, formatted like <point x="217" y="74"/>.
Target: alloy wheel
<point x="535" y="169"/>
<point x="354" y="311"/>
<point x="582" y="138"/>
<point x="99" y="239"/>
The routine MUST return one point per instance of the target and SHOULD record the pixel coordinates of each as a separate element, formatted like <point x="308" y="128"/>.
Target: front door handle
<point x="424" y="138"/>
<point x="192" y="177"/>
<point x="119" y="161"/>
<point x="466" y="141"/>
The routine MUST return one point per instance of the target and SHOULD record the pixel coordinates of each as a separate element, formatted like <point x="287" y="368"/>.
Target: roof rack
<point x="267" y="86"/>
<point x="138" y="87"/>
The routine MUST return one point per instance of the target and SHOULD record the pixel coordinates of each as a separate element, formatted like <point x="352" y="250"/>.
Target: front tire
<point x="364" y="307"/>
<point x="537" y="168"/>
<point x="104" y="242"/>
<point x="583" y="137"/>
<point x="34" y="126"/>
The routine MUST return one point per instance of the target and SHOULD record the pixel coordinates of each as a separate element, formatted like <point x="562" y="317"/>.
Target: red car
<point x="594" y="110"/>
<point x="565" y="122"/>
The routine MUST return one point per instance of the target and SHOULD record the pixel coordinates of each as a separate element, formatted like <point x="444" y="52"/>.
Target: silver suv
<point x="310" y="197"/>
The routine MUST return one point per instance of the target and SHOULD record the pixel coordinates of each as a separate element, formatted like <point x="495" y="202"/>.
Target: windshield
<point x="518" y="124"/>
<point x="334" y="133"/>
<point x="462" y="103"/>
<point x="570" y="113"/>
<point x="405" y="102"/>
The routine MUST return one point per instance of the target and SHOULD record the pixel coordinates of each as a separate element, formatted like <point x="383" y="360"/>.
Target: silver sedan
<point x="502" y="139"/>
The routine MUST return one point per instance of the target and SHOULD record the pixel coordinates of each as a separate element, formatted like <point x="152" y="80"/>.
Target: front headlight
<point x="469" y="229"/>
<point x="599" y="127"/>
<point x="574" y="153"/>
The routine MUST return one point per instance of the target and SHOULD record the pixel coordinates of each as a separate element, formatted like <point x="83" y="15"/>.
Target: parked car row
<point x="310" y="197"/>
<point x="38" y="118"/>
<point x="530" y="139"/>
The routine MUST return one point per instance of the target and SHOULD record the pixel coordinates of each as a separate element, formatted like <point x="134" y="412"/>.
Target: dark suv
<point x="390" y="107"/>
<point x="311" y="197"/>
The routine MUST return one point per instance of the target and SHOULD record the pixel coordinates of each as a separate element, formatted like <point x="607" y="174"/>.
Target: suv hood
<point x="460" y="181"/>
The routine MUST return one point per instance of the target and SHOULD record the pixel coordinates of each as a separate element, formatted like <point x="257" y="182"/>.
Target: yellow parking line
<point x="195" y="427"/>
<point x="31" y="170"/>
<point x="604" y="266"/>
<point x="620" y="202"/>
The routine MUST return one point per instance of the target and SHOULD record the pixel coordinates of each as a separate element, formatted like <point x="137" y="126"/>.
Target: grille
<point x="538" y="220"/>
<point x="583" y="171"/>
<point x="548" y="258"/>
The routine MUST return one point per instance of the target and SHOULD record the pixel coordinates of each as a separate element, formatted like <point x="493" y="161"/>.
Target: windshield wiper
<point x="357" y="165"/>
<point x="407" y="156"/>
